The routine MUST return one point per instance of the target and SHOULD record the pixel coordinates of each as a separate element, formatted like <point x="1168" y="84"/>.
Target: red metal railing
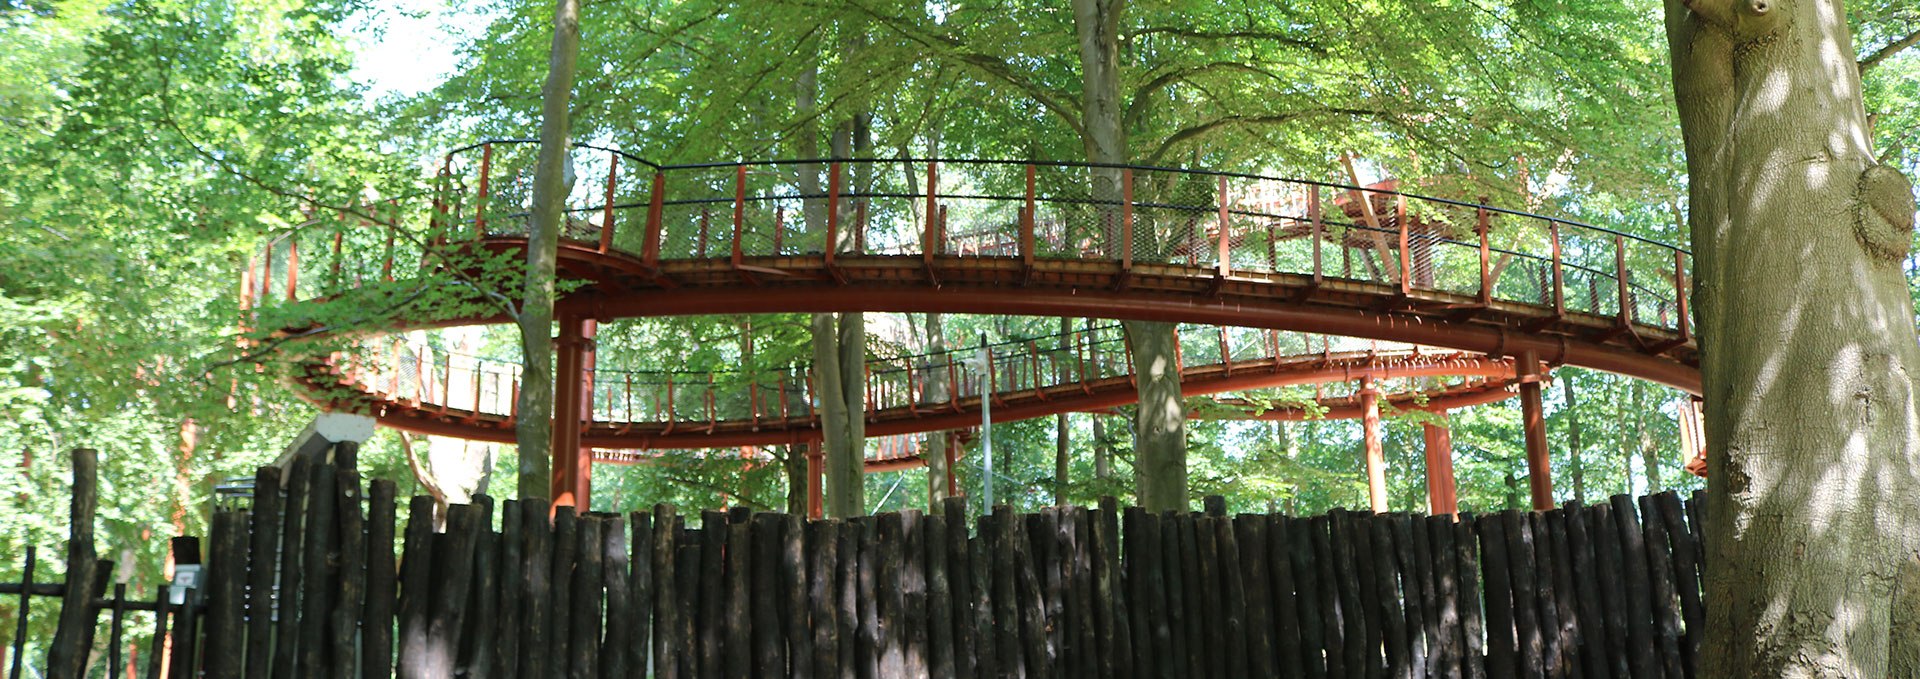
<point x="409" y="372"/>
<point x="1224" y="224"/>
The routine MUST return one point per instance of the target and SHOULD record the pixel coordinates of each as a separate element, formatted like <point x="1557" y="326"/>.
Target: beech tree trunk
<point x="1807" y="339"/>
<point x="1160" y="432"/>
<point x="839" y="340"/>
<point x="534" y="428"/>
<point x="1573" y="441"/>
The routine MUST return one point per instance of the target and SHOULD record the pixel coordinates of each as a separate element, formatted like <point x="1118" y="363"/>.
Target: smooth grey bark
<point x="935" y="392"/>
<point x="1062" y="435"/>
<point x="1643" y="441"/>
<point x="1160" y="427"/>
<point x="795" y="462"/>
<point x="534" y="428"/>
<point x="1807" y="346"/>
<point x="1102" y="449"/>
<point x="1573" y="440"/>
<point x="839" y="340"/>
<point x="1160" y="434"/>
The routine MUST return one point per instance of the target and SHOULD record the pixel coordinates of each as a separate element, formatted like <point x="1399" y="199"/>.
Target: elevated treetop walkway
<point x="1009" y="237"/>
<point x="419" y="388"/>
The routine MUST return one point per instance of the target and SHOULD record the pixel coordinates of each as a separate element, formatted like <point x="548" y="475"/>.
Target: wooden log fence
<point x="307" y="582"/>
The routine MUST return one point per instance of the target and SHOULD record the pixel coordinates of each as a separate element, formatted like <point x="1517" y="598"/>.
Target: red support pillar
<point x="1442" y="493"/>
<point x="1534" y="422"/>
<point x="1376" y="456"/>
<point x="572" y="403"/>
<point x="816" y="467"/>
<point x="953" y="457"/>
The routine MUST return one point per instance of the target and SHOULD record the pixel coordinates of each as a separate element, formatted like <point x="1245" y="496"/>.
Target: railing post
<point x="1225" y="263"/>
<point x="932" y="239"/>
<point x="1027" y="218"/>
<point x="1620" y="279"/>
<point x="1559" y="286"/>
<point x="656" y="208"/>
<point x="1226" y="354"/>
<point x="1406" y="263"/>
<point x="712" y="416"/>
<point x="1314" y="216"/>
<point x="779" y="226"/>
<point x="441" y="186"/>
<point x="481" y="204"/>
<point x="1486" y="271"/>
<point x="606" y="217"/>
<point x="860" y="227"/>
<point x="1126" y="219"/>
<point x="1680" y="293"/>
<point x="293" y="266"/>
<point x="833" y="212"/>
<point x="739" y="208"/>
<point x="706" y="216"/>
<point x="338" y="236"/>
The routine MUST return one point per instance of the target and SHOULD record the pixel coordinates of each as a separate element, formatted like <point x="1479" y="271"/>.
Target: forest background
<point x="153" y="147"/>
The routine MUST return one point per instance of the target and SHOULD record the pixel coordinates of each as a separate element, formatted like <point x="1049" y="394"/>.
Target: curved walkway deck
<point x="1044" y="239"/>
<point x="418" y="389"/>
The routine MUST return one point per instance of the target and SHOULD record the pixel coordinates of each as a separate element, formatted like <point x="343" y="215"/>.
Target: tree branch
<point x="993" y="67"/>
<point x="1883" y="53"/>
<point x="1137" y="104"/>
<point x="1211" y="126"/>
<point x="1197" y="34"/>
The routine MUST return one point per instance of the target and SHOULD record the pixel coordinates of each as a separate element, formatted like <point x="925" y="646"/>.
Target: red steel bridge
<point x="1495" y="295"/>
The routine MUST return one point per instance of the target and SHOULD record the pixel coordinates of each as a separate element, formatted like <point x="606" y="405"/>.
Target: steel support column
<point x="816" y="467"/>
<point x="572" y="404"/>
<point x="1442" y="493"/>
<point x="953" y="458"/>
<point x="1376" y="456"/>
<point x="1533" y="421"/>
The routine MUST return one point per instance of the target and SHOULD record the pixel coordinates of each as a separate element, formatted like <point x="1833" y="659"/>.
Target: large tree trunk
<point x="1160" y="435"/>
<point x="839" y="340"/>
<point x="1806" y="331"/>
<point x="534" y="427"/>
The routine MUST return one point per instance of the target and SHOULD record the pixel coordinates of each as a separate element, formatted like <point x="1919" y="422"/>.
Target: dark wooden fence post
<point x="226" y="584"/>
<point x="376" y="644"/>
<point x="264" y="549"/>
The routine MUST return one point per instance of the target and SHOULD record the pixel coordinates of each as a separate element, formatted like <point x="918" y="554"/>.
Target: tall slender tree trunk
<point x="793" y="458"/>
<point x="839" y="340"/>
<point x="534" y="428"/>
<point x="1160" y="434"/>
<point x="1643" y="441"/>
<point x="1573" y="440"/>
<point x="934" y="393"/>
<point x="1102" y="449"/>
<point x="1062" y="435"/>
<point x="1807" y="346"/>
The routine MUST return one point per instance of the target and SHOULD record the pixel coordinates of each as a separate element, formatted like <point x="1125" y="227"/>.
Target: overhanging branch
<point x="1198" y="34"/>
<point x="1203" y="129"/>
<point x="1883" y="53"/>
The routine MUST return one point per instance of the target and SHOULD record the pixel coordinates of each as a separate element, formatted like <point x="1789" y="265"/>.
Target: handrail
<point x="1077" y="164"/>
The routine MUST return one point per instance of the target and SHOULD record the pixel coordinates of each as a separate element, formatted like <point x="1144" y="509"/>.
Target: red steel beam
<point x="1145" y="306"/>
<point x="1375" y="453"/>
<point x="1533" y="422"/>
<point x="1442" y="491"/>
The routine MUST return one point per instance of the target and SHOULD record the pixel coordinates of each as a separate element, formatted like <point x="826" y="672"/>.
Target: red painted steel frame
<point x="1442" y="491"/>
